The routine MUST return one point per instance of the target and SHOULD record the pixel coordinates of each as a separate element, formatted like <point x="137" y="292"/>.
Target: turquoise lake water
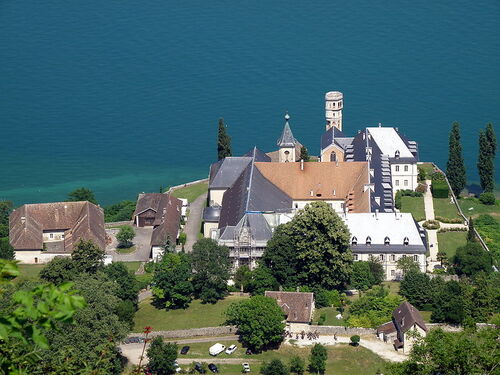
<point x="124" y="96"/>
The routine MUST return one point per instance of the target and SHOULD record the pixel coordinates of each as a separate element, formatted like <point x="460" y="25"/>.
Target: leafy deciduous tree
<point x="259" y="320"/>
<point x="161" y="357"/>
<point x="261" y="280"/>
<point x="297" y="365"/>
<point x="6" y="250"/>
<point x="172" y="287"/>
<point x="471" y="259"/>
<point x="58" y="270"/>
<point x="211" y="266"/>
<point x="125" y="236"/>
<point x="317" y="361"/>
<point x="87" y="257"/>
<point x="275" y="367"/>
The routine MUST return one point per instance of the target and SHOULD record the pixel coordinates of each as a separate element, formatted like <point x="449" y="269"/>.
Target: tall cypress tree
<point x="485" y="163"/>
<point x="455" y="168"/>
<point x="492" y="140"/>
<point x="471" y="235"/>
<point x="223" y="141"/>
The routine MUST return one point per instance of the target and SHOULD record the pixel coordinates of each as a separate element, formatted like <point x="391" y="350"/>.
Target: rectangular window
<point x="397" y="182"/>
<point x="393" y="257"/>
<point x="355" y="256"/>
<point x="381" y="256"/>
<point x="406" y="182"/>
<point x="397" y="168"/>
<point x="393" y="272"/>
<point x="406" y="168"/>
<point x="51" y="235"/>
<point x="415" y="258"/>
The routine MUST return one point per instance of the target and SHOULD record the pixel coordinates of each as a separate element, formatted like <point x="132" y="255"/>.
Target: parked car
<point x="246" y="367"/>
<point x="248" y="352"/>
<point x="212" y="367"/>
<point x="185" y="349"/>
<point x="216" y="349"/>
<point x="198" y="367"/>
<point x="231" y="349"/>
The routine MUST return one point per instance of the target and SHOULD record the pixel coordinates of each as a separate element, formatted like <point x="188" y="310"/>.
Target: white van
<point x="216" y="349"/>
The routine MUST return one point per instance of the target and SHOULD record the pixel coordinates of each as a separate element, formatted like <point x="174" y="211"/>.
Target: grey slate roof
<point x="258" y="155"/>
<point x="286" y="139"/>
<point x="251" y="192"/>
<point x="334" y="135"/>
<point x="211" y="214"/>
<point x="225" y="172"/>
<point x="259" y="228"/>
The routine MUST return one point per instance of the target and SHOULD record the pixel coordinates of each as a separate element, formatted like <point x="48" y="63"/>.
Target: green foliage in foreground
<point x="461" y="353"/>
<point x="489" y="229"/>
<point x="317" y="361"/>
<point x="259" y="321"/>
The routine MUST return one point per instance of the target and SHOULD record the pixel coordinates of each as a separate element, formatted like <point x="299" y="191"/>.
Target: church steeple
<point x="286" y="139"/>
<point x="286" y="143"/>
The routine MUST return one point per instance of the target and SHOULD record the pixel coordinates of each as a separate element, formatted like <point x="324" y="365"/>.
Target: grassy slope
<point x="29" y="271"/>
<point x="132" y="266"/>
<point x="428" y="168"/>
<point x="415" y="206"/>
<point x="450" y="241"/>
<point x="342" y="358"/>
<point x="473" y="207"/>
<point x="443" y="207"/>
<point x="195" y="316"/>
<point x="191" y="192"/>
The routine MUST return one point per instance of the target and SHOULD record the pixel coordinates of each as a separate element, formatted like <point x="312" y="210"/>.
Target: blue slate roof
<point x="286" y="139"/>
<point x="258" y="155"/>
<point x="225" y="172"/>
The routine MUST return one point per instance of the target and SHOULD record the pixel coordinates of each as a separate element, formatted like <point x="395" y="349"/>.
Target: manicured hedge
<point x="440" y="189"/>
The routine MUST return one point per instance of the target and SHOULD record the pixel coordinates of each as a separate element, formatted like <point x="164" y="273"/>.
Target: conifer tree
<point x="492" y="140"/>
<point x="485" y="163"/>
<point x="304" y="154"/>
<point x="471" y="235"/>
<point x="455" y="168"/>
<point x="223" y="141"/>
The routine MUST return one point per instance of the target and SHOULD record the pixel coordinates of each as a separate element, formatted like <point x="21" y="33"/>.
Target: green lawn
<point x="428" y="168"/>
<point x="393" y="287"/>
<point x="132" y="266"/>
<point x="449" y="242"/>
<point x="443" y="207"/>
<point x="330" y="313"/>
<point x="473" y="207"/>
<point x="29" y="271"/>
<point x="197" y="315"/>
<point x="415" y="206"/>
<point x="342" y="358"/>
<point x="426" y="316"/>
<point x="191" y="192"/>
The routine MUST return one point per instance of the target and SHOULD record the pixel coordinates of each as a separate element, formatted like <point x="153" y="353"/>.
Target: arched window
<point x="368" y="240"/>
<point x="387" y="241"/>
<point x="406" y="241"/>
<point x="396" y="154"/>
<point x="333" y="156"/>
<point x="354" y="241"/>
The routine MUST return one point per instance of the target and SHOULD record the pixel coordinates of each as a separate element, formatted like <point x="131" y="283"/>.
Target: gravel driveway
<point x="142" y="242"/>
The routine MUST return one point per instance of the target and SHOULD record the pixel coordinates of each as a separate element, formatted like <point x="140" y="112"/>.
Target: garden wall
<point x="193" y="332"/>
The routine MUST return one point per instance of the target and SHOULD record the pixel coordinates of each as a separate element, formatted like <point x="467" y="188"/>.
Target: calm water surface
<point x="124" y="96"/>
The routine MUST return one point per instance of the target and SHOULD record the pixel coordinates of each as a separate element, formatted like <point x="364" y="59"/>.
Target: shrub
<point x="437" y="176"/>
<point x="487" y="198"/>
<point x="149" y="267"/>
<point x="455" y="220"/>
<point x="182" y="238"/>
<point x="442" y="230"/>
<point x="421" y="188"/>
<point x="405" y="193"/>
<point x="440" y="189"/>
<point x="322" y="319"/>
<point x="431" y="224"/>
<point x="355" y="339"/>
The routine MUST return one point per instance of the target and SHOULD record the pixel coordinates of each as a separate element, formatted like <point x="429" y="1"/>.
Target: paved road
<point x="431" y="234"/>
<point x="133" y="351"/>
<point x="193" y="224"/>
<point x="142" y="242"/>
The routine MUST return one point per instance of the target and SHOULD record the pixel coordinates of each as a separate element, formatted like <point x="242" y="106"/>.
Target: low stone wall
<point x="333" y="330"/>
<point x="193" y="332"/>
<point x="185" y="185"/>
<point x="456" y="328"/>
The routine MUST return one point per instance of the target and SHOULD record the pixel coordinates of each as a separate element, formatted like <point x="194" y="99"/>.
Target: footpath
<point x="193" y="225"/>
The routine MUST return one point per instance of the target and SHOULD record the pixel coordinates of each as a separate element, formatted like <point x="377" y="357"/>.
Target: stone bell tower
<point x="334" y="103"/>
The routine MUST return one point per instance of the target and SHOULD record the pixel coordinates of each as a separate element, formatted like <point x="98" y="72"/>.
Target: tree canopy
<point x="316" y="244"/>
<point x="211" y="270"/>
<point x="275" y="367"/>
<point x="82" y="194"/>
<point x="161" y="357"/>
<point x="304" y="154"/>
<point x="259" y="320"/>
<point x="317" y="360"/>
<point x="87" y="256"/>
<point x="471" y="259"/>
<point x="455" y="167"/>
<point x="125" y="236"/>
<point x="171" y="284"/>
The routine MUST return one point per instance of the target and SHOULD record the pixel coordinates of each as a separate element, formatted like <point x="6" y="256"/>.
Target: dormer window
<point x="368" y="240"/>
<point x="406" y="241"/>
<point x="396" y="154"/>
<point x="354" y="241"/>
<point x="387" y="241"/>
